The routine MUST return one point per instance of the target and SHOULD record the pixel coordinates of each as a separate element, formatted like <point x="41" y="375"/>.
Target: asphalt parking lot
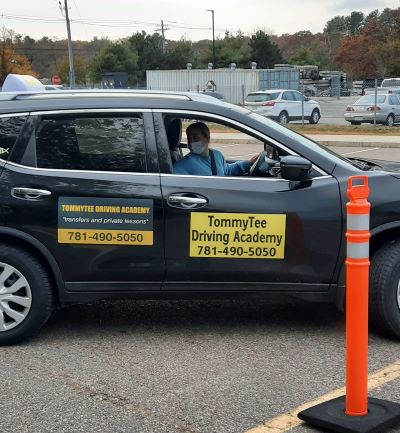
<point x="333" y="109"/>
<point x="179" y="367"/>
<point x="233" y="366"/>
<point x="246" y="150"/>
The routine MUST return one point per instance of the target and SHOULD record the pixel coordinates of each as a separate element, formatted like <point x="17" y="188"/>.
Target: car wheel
<point x="284" y="118"/>
<point x="390" y="120"/>
<point x="385" y="289"/>
<point x="315" y="116"/>
<point x="355" y="123"/>
<point x="26" y="296"/>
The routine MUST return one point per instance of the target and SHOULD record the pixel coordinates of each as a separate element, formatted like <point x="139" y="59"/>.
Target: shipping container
<point x="234" y="84"/>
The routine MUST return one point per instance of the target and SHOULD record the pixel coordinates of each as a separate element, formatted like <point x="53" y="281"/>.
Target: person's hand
<point x="253" y="159"/>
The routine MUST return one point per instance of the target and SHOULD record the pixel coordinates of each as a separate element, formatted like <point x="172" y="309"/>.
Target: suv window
<point x="91" y="143"/>
<point x="297" y="96"/>
<point x="394" y="100"/>
<point x="10" y="127"/>
<point x="262" y="97"/>
<point x="288" y="96"/>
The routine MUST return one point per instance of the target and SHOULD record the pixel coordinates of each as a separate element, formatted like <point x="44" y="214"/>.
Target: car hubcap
<point x="283" y="119"/>
<point x="390" y="121"/>
<point x="15" y="297"/>
<point x="316" y="117"/>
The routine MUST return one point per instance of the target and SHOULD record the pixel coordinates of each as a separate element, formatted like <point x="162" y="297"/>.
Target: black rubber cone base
<point x="331" y="416"/>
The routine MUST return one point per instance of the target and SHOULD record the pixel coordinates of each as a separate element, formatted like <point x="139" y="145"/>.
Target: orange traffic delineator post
<point x="355" y="412"/>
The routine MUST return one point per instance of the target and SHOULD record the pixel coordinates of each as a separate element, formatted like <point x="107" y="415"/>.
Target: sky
<point x="184" y="18"/>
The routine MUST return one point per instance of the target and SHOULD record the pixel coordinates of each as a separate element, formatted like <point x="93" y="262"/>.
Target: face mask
<point x="197" y="147"/>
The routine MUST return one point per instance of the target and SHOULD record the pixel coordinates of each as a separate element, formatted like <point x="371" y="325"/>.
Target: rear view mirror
<point x="295" y="168"/>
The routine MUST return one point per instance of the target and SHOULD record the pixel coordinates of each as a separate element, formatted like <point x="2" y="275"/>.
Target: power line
<point x="116" y="23"/>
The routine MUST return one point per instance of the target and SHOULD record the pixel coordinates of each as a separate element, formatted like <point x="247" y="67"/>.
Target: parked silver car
<point x="387" y="110"/>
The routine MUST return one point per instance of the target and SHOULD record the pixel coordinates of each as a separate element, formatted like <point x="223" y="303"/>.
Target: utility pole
<point x="163" y="35"/>
<point x="163" y="29"/>
<point x="70" y="53"/>
<point x="213" y="37"/>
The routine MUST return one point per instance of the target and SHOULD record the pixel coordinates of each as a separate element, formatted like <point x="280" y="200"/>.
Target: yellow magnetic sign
<point x="233" y="235"/>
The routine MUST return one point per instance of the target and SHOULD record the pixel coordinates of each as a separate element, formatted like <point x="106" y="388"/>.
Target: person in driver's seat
<point x="202" y="161"/>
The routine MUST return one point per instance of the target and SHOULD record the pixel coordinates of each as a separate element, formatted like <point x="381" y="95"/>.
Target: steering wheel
<point x="264" y="166"/>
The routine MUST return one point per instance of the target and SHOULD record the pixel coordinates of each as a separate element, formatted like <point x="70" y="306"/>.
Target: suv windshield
<point x="262" y="97"/>
<point x="316" y="147"/>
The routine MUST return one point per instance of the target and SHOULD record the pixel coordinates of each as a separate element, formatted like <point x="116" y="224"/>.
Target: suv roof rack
<point x="74" y="93"/>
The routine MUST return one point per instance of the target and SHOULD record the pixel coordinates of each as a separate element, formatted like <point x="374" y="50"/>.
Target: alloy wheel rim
<point x="15" y="297"/>
<point x="284" y="119"/>
<point x="390" y="121"/>
<point x="316" y="117"/>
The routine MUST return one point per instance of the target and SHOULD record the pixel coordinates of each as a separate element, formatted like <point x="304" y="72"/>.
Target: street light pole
<point x="213" y="37"/>
<point x="70" y="53"/>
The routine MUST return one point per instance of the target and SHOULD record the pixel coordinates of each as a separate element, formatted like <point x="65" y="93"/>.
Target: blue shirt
<point x="201" y="165"/>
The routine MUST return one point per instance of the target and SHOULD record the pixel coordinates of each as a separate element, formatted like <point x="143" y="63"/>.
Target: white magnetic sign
<point x="22" y="83"/>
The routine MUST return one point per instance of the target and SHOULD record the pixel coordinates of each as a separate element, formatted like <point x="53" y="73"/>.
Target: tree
<point x="263" y="51"/>
<point x="149" y="50"/>
<point x="335" y="31"/>
<point x="10" y="61"/>
<point x="355" y="22"/>
<point x="179" y="54"/>
<point x="392" y="56"/>
<point x="364" y="55"/>
<point x="80" y="66"/>
<point x="115" y="57"/>
<point x="303" y="57"/>
<point x="229" y="49"/>
<point x="375" y="51"/>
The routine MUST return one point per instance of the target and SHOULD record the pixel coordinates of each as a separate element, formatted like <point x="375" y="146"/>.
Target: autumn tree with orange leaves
<point x="10" y="61"/>
<point x="375" y="51"/>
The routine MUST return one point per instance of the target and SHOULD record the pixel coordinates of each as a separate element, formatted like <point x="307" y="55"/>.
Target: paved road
<point x="177" y="367"/>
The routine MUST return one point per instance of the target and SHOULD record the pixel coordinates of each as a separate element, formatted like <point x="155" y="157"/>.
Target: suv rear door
<point x="86" y="185"/>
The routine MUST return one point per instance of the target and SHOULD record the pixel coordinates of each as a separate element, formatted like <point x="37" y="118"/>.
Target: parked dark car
<point x="90" y="209"/>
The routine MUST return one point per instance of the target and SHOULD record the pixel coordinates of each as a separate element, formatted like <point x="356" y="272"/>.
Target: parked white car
<point x="283" y="105"/>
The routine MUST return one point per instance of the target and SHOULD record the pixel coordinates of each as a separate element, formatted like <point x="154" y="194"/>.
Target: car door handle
<point x="29" y="193"/>
<point x="187" y="200"/>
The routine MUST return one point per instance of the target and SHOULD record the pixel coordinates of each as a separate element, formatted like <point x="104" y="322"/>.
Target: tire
<point x="385" y="289"/>
<point x="315" y="116"/>
<point x="390" y="120"/>
<point x="28" y="284"/>
<point x="355" y="123"/>
<point x="283" y="118"/>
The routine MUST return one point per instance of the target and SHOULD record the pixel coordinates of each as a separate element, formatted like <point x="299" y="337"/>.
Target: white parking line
<point x="359" y="151"/>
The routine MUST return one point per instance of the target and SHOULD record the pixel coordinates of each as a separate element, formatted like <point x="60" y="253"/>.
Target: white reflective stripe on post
<point x="357" y="250"/>
<point x="357" y="222"/>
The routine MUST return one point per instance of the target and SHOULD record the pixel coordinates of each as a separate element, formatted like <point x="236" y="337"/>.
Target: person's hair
<point x="198" y="126"/>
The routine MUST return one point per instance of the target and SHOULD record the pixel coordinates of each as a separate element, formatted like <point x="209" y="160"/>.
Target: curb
<point x="327" y="143"/>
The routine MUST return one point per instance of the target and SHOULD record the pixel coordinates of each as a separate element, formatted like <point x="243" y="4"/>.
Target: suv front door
<point x="87" y="187"/>
<point x="248" y="233"/>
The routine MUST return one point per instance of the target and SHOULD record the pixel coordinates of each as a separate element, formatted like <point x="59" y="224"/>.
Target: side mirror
<point x="306" y="98"/>
<point x="295" y="168"/>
